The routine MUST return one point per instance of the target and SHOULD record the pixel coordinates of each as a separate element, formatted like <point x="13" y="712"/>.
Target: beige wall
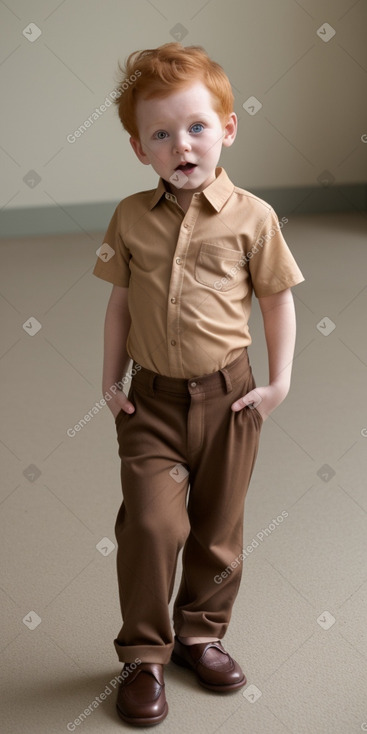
<point x="313" y="93"/>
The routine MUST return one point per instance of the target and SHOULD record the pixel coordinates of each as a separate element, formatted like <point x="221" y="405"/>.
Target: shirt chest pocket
<point x="220" y="267"/>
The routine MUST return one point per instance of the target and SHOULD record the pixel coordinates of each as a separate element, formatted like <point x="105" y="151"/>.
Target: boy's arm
<point x="280" y="332"/>
<point x="116" y="359"/>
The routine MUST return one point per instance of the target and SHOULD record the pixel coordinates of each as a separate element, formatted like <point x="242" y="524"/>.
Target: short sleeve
<point x="113" y="256"/>
<point x="271" y="264"/>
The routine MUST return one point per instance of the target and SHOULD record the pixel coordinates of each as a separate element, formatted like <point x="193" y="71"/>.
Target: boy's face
<point x="182" y="127"/>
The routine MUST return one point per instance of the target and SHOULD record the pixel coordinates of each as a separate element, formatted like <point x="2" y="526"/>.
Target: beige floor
<point x="299" y="623"/>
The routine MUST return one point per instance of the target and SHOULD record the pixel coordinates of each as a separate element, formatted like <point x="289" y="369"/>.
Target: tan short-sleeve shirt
<point x="191" y="275"/>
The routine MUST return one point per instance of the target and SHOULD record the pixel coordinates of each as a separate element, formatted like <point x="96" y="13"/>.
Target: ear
<point x="138" y="150"/>
<point x="230" y="130"/>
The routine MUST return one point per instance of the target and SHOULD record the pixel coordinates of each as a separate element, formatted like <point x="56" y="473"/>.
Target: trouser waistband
<point x="228" y="376"/>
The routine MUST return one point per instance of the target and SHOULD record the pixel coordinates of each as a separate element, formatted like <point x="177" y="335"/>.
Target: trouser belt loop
<point x="227" y="379"/>
<point x="146" y="379"/>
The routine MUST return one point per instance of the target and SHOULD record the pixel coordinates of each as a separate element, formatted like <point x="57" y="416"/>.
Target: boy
<point x="183" y="260"/>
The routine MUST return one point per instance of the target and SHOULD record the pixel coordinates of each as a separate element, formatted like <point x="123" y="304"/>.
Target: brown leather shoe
<point x="141" y="698"/>
<point x="214" y="667"/>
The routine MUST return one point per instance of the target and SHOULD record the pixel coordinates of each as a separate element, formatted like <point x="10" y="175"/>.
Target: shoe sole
<point x="140" y="721"/>
<point x="210" y="687"/>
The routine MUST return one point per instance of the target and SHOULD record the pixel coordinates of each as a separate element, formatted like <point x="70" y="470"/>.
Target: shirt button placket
<point x="173" y="325"/>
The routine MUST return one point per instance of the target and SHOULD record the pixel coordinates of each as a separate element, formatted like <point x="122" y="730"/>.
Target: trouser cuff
<point x="143" y="653"/>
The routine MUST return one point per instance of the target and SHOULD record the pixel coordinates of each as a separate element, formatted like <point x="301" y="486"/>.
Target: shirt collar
<point x="217" y="193"/>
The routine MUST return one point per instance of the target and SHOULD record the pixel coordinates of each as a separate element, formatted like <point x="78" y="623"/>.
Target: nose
<point x="181" y="143"/>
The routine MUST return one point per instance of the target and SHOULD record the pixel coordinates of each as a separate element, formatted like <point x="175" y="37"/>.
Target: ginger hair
<point x="160" y="71"/>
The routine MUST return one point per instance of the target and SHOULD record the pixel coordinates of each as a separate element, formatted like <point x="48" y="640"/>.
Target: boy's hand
<point x="265" y="399"/>
<point x="118" y="402"/>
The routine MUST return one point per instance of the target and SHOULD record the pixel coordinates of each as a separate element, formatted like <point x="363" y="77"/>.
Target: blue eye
<point x="197" y="125"/>
<point x="160" y="135"/>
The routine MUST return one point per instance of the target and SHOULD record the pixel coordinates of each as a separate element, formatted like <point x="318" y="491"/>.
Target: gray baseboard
<point x="94" y="217"/>
<point x="321" y="199"/>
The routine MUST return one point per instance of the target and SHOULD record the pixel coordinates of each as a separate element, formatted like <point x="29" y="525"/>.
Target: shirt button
<point x="186" y="225"/>
<point x="193" y="384"/>
<point x="173" y="300"/>
<point x="173" y="342"/>
<point x="178" y="260"/>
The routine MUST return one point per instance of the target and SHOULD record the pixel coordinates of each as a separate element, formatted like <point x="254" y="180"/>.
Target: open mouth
<point x="186" y="167"/>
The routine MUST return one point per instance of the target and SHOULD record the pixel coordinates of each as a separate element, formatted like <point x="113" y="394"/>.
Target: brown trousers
<point x="182" y="436"/>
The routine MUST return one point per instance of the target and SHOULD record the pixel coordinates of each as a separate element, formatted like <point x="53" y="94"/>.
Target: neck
<point x="184" y="199"/>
